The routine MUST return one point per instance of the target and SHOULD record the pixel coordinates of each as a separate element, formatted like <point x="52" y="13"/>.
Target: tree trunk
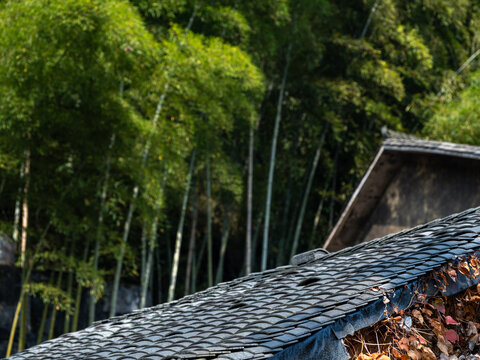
<point x="178" y="241"/>
<point x="149" y="263"/>
<point x="227" y="223"/>
<point x="15" y="321"/>
<point x="78" y="297"/>
<point x="41" y="329"/>
<point x="159" y="275"/>
<point x="369" y="19"/>
<point x="2" y="183"/>
<point x="78" y="300"/>
<point x="53" y="317"/>
<point x="148" y="266"/>
<point x="272" y="161"/>
<point x="22" y="339"/>
<point x="16" y="216"/>
<point x="144" y="255"/>
<point x="25" y="280"/>
<point x="332" y="199"/>
<point x="25" y="209"/>
<point x="191" y="246"/>
<point x="255" y="238"/>
<point x="99" y="233"/>
<point x="306" y="195"/>
<point x="316" y="220"/>
<point x="468" y="62"/>
<point x="118" y="271"/>
<point x="44" y="315"/>
<point x="66" y="325"/>
<point x="209" y="223"/>
<point x="131" y="209"/>
<point x="23" y="250"/>
<point x="248" y="242"/>
<point x="198" y="265"/>
<point x="286" y="209"/>
<point x="20" y="304"/>
<point x="169" y="249"/>
<point x="194" y="275"/>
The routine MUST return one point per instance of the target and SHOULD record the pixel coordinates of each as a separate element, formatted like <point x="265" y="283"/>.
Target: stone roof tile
<point x="258" y="315"/>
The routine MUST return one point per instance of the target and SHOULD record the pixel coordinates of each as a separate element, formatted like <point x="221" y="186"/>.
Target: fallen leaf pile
<point x="440" y="327"/>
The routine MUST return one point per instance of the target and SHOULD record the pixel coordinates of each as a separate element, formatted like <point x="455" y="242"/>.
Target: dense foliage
<point x="126" y="128"/>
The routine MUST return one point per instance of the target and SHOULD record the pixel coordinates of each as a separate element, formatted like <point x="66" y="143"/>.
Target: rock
<point x="308" y="256"/>
<point x="128" y="299"/>
<point x="7" y="250"/>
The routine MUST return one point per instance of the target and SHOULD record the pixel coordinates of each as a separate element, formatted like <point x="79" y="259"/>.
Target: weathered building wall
<point x="424" y="188"/>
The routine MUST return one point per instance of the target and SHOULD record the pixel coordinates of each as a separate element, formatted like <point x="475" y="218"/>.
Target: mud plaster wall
<point x="426" y="187"/>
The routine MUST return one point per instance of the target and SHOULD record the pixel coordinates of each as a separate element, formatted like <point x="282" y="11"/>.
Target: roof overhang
<point x="392" y="154"/>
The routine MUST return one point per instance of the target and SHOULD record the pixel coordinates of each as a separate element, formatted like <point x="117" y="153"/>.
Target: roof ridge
<point x="414" y="229"/>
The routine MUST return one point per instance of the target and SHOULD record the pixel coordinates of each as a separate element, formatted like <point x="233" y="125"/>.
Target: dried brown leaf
<point x="414" y="354"/>
<point x="451" y="335"/>
<point x="442" y="346"/>
<point x="403" y="344"/>
<point x="418" y="315"/>
<point x="428" y="354"/>
<point x="451" y="321"/>
<point x="464" y="268"/>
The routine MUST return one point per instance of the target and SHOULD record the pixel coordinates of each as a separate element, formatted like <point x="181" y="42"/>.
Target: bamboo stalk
<point x="2" y="183"/>
<point x="99" y="233"/>
<point x="198" y="264"/>
<point x="78" y="297"/>
<point x="143" y="240"/>
<point x="272" y="161"/>
<point x="16" y="216"/>
<point x="255" y="238"/>
<point x="178" y="241"/>
<point x="248" y="240"/>
<point x="26" y="278"/>
<point x="148" y="266"/>
<point x="126" y="232"/>
<point x="191" y="246"/>
<point x="316" y="221"/>
<point x="66" y="326"/>
<point x="14" y="325"/>
<point x="53" y="317"/>
<point x="468" y="62"/>
<point x="369" y="19"/>
<point x="223" y="248"/>
<point x="159" y="274"/>
<point x="78" y="300"/>
<point x="306" y="195"/>
<point x="41" y="329"/>
<point x="318" y="213"/>
<point x="149" y="263"/>
<point x="209" y="223"/>
<point x="22" y="339"/>
<point x="23" y="250"/>
<point x="25" y="210"/>
<point x="286" y="211"/>
<point x="334" y="185"/>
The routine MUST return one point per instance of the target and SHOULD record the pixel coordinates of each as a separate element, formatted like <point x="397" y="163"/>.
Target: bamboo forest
<point x="150" y="149"/>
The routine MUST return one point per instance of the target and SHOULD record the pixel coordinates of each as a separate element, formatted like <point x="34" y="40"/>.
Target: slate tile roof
<point x="257" y="316"/>
<point x="405" y="142"/>
<point x="397" y="150"/>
